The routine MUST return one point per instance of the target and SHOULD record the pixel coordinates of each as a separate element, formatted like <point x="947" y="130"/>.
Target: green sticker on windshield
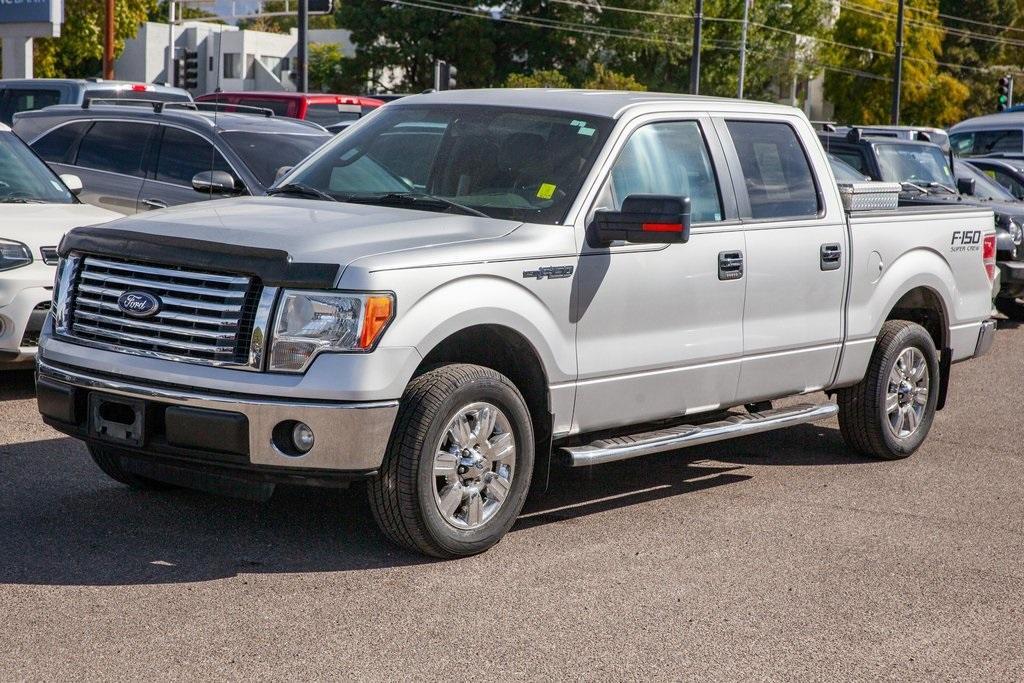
<point x="546" y="191"/>
<point x="587" y="131"/>
<point x="578" y="124"/>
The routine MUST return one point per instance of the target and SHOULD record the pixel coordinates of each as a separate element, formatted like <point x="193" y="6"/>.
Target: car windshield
<point x="264" y="153"/>
<point x="510" y="163"/>
<point x="26" y="179"/>
<point x="918" y="164"/>
<point x="984" y="187"/>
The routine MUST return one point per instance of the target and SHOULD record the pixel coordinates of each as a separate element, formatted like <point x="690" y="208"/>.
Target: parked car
<point x="472" y="281"/>
<point x="29" y="94"/>
<point x="991" y="134"/>
<point x="333" y="112"/>
<point x="938" y="136"/>
<point x="928" y="178"/>
<point x="139" y="158"/>
<point x="1007" y="171"/>
<point x="37" y="208"/>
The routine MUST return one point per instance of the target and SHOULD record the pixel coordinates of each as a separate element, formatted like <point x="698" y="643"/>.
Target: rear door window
<point x="183" y="154"/>
<point x="59" y="144"/>
<point x="115" y="146"/>
<point x="776" y="172"/>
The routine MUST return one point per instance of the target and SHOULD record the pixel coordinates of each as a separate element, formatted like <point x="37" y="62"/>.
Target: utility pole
<point x="108" y="42"/>
<point x="169" y="70"/>
<point x="698" y="20"/>
<point x="303" y="80"/>
<point x="897" y="67"/>
<point x="743" y="46"/>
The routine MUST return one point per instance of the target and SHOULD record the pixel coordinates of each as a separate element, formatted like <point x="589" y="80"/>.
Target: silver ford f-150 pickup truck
<point x="466" y="286"/>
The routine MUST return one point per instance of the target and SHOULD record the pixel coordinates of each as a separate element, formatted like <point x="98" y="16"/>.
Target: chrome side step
<point x="634" y="445"/>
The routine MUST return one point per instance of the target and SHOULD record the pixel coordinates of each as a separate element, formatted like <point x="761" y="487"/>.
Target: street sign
<point x="31" y="11"/>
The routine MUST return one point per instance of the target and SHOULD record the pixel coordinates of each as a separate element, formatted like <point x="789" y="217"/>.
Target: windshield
<point x="518" y="164"/>
<point x="984" y="187"/>
<point x="918" y="164"/>
<point x="987" y="142"/>
<point x="24" y="178"/>
<point x="264" y="153"/>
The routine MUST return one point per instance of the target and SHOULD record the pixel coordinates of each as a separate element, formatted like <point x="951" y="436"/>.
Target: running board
<point x="634" y="445"/>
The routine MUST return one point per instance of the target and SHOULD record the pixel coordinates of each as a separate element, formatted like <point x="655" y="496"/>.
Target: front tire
<point x="459" y="463"/>
<point x="889" y="413"/>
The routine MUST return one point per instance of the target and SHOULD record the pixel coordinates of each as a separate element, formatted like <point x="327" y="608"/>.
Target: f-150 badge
<point x="550" y="272"/>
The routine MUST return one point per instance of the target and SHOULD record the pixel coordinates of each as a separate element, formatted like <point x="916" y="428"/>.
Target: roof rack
<point x="159" y="105"/>
<point x="218" y="106"/>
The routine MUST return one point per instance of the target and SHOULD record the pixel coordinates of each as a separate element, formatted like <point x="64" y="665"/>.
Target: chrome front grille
<point x="202" y="317"/>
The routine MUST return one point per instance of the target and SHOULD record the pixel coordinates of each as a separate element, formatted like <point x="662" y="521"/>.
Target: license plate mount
<point x="117" y="419"/>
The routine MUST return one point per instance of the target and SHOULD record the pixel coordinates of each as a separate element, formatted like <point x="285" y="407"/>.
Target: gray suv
<point x="154" y="155"/>
<point x="29" y="94"/>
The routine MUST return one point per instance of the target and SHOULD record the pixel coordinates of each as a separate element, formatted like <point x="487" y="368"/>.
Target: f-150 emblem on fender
<point x="550" y="272"/>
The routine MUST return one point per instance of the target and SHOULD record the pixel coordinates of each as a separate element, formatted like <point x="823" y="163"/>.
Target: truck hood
<point x="313" y="231"/>
<point x="43" y="225"/>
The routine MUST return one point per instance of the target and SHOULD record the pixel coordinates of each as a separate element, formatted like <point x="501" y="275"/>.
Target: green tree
<point x="928" y="96"/>
<point x="542" y="78"/>
<point x="604" y="78"/>
<point x="78" y="52"/>
<point x="329" y="71"/>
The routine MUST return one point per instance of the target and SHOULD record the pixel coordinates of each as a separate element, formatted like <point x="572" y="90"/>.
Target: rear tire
<point x="888" y="414"/>
<point x="459" y="463"/>
<point x="1011" y="308"/>
<point x="111" y="466"/>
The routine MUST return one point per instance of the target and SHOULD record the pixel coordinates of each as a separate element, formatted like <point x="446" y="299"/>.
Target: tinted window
<point x="987" y="142"/>
<point x="264" y="153"/>
<point x="1010" y="182"/>
<point x="115" y="146"/>
<point x="775" y="169"/>
<point x="984" y="187"/>
<point x="329" y="114"/>
<point x="668" y="158"/>
<point x="58" y="145"/>
<point x="184" y="154"/>
<point x="918" y="164"/>
<point x="853" y="157"/>
<point x="279" y="107"/>
<point x="18" y="99"/>
<point x="843" y="172"/>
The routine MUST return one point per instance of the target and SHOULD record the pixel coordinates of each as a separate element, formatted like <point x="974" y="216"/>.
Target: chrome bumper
<point x="348" y="436"/>
<point x="986" y="337"/>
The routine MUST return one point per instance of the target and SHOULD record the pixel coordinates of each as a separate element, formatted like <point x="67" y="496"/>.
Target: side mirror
<point x="73" y="182"/>
<point x="646" y="218"/>
<point x="214" y="182"/>
<point x="965" y="185"/>
<point x="282" y="172"/>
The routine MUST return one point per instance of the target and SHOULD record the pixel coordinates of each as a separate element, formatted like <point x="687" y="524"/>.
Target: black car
<point x="928" y="177"/>
<point x="1007" y="171"/>
<point x="139" y="157"/>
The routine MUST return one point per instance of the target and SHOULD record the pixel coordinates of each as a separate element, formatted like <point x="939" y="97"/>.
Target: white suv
<point x="36" y="208"/>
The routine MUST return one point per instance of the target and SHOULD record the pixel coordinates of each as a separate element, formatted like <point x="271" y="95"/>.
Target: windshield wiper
<point x="302" y="191"/>
<point x="412" y="199"/>
<point x="914" y="186"/>
<point x="947" y="188"/>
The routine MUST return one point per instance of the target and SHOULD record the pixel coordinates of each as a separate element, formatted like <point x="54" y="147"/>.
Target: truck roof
<point x="608" y="103"/>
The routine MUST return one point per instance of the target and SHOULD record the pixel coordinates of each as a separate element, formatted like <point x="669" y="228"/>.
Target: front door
<point x="660" y="327"/>
<point x="180" y="155"/>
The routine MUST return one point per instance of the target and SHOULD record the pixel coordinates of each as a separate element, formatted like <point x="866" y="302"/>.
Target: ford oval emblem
<point x="139" y="304"/>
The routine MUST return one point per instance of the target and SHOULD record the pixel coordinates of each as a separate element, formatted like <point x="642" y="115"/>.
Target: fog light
<point x="302" y="437"/>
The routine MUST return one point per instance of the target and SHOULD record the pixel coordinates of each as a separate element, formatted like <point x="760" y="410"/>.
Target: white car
<point x="36" y="208"/>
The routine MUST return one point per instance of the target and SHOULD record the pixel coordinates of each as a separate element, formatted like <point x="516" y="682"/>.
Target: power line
<point x="965" y="20"/>
<point x="880" y="14"/>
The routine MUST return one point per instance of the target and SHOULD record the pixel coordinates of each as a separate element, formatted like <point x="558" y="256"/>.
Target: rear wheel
<point x="111" y="466"/>
<point x="889" y="413"/>
<point x="458" y="467"/>
<point x="1011" y="308"/>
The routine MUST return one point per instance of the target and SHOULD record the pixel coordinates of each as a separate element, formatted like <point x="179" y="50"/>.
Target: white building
<point x="229" y="58"/>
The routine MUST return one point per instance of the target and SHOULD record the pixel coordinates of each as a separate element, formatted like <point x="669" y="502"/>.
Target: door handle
<point x="831" y="256"/>
<point x="730" y="265"/>
<point x="155" y="203"/>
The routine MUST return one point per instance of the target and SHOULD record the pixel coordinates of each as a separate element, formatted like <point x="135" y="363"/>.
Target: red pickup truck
<point x="333" y="112"/>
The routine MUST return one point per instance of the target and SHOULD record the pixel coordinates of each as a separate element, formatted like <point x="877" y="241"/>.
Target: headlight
<point x="310" y="322"/>
<point x="14" y="255"/>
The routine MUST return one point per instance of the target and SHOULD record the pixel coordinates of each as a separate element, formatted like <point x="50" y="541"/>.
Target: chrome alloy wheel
<point x="473" y="465"/>
<point x="906" y="396"/>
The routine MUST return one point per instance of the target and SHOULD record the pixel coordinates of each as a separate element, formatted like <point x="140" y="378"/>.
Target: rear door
<point x="178" y="156"/>
<point x="796" y="260"/>
<point x="110" y="161"/>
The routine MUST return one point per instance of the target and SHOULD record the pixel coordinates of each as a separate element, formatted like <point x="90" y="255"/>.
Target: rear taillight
<point x="988" y="255"/>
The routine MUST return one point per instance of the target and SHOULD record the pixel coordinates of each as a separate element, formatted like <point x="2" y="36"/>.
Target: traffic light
<point x="444" y="75"/>
<point x="1005" y="92"/>
<point x="178" y="79"/>
<point x="190" y="70"/>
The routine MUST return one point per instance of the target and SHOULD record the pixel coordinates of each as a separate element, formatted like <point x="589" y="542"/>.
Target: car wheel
<point x="458" y="467"/>
<point x="889" y="413"/>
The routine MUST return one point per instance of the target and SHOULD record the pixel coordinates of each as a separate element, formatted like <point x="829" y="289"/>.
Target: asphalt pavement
<point x="780" y="556"/>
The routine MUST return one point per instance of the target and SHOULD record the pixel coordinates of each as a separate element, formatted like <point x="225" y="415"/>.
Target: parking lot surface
<point x="775" y="556"/>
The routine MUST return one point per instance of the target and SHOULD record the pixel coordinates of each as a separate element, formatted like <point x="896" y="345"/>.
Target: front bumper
<point x="25" y="295"/>
<point x="228" y="430"/>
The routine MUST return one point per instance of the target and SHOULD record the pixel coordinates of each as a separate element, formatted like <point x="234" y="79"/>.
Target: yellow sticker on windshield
<point x="546" y="191"/>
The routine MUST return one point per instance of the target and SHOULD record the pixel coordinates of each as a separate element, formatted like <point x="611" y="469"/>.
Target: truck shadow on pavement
<point x="62" y="522"/>
<point x="16" y="385"/>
